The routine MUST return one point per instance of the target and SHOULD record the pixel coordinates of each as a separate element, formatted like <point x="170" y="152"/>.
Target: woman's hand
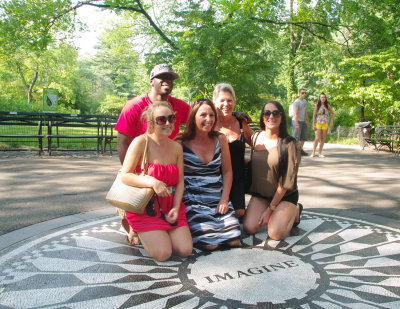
<point x="222" y="208"/>
<point x="242" y="116"/>
<point x="172" y="215"/>
<point x="264" y="218"/>
<point x="160" y="188"/>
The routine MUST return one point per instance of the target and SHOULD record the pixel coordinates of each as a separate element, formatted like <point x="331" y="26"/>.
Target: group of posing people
<point x="198" y="175"/>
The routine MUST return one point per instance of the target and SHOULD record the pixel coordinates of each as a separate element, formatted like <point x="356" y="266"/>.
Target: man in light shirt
<point x="300" y="120"/>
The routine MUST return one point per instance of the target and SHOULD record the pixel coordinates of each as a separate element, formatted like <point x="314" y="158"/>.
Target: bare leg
<point x="317" y="137"/>
<point x="239" y="213"/>
<point x="210" y="248"/>
<point x="321" y="144"/>
<point x="233" y="243"/>
<point x="131" y="236"/>
<point x="181" y="239"/>
<point x="253" y="213"/>
<point x="281" y="220"/>
<point x="157" y="244"/>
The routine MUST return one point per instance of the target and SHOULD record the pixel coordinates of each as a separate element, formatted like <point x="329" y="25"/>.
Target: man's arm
<point x="306" y="117"/>
<point x="295" y="111"/>
<point x="123" y="143"/>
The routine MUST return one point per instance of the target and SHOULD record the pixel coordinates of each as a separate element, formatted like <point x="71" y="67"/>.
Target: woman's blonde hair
<point x="148" y="113"/>
<point x="223" y="87"/>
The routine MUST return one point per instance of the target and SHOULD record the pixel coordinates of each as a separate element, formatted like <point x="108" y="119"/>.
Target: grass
<point x="346" y="137"/>
<point x="7" y="143"/>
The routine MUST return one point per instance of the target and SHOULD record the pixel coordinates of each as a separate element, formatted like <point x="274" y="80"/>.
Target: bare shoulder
<point x="176" y="145"/>
<point x="222" y="139"/>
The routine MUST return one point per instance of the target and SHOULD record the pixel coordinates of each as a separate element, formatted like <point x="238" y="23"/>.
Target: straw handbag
<point x="129" y="198"/>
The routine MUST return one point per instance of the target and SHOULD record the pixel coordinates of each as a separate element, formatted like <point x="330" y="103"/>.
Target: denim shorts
<point x="301" y="133"/>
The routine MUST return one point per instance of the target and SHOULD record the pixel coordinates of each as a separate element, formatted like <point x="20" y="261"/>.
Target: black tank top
<point x="237" y="149"/>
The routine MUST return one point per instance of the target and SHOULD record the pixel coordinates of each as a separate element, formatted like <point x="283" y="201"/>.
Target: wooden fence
<point x="57" y="132"/>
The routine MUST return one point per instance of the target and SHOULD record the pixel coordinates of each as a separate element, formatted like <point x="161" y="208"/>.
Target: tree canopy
<point x="265" y="49"/>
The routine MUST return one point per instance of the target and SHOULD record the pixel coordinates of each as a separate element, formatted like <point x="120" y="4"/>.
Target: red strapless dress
<point x="169" y="174"/>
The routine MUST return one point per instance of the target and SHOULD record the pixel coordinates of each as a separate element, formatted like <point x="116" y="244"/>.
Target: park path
<point x="35" y="189"/>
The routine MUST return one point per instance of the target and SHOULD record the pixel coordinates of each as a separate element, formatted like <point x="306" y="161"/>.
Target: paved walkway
<point x="67" y="251"/>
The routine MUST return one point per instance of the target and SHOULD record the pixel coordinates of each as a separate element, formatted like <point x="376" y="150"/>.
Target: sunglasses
<point x="202" y="100"/>
<point x="268" y="113"/>
<point x="161" y="120"/>
<point x="165" y="76"/>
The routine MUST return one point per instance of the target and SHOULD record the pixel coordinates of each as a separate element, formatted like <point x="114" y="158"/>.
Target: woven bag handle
<point x="144" y="159"/>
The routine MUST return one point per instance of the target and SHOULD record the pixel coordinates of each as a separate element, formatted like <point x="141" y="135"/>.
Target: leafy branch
<point x="139" y="9"/>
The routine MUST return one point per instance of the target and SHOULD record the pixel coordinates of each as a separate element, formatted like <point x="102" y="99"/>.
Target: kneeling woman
<point x="275" y="163"/>
<point x="162" y="228"/>
<point x="208" y="180"/>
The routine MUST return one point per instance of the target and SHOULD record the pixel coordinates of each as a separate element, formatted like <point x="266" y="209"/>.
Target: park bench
<point x="386" y="135"/>
<point x="32" y="122"/>
<point x="56" y="128"/>
<point x="109" y="124"/>
<point x="75" y="131"/>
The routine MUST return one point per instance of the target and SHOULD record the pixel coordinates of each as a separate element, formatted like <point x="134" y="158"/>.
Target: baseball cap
<point x="161" y="69"/>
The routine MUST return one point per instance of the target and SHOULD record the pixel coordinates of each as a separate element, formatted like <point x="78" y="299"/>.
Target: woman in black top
<point x="238" y="133"/>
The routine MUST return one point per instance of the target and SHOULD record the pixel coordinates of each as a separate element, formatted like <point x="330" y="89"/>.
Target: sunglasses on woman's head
<point x="268" y="113"/>
<point x="202" y="100"/>
<point x="161" y="120"/>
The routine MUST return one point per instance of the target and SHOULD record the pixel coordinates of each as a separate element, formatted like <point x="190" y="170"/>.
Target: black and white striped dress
<point x="203" y="189"/>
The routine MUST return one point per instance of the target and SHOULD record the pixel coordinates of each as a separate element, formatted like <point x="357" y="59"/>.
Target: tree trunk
<point x="31" y="86"/>
<point x="362" y="118"/>
<point x="290" y="84"/>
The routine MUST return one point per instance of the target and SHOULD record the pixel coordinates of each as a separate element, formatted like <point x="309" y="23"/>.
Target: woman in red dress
<point x="162" y="228"/>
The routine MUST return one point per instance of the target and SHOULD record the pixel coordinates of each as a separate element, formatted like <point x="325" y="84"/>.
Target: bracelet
<point x="272" y="207"/>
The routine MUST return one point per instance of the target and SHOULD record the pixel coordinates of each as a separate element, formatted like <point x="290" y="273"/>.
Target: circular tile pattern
<point x="328" y="261"/>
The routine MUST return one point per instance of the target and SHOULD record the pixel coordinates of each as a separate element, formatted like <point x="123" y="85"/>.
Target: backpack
<point x="291" y="110"/>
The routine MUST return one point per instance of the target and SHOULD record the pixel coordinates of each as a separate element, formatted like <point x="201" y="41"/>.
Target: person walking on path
<point x="130" y="124"/>
<point x="238" y="133"/>
<point x="162" y="228"/>
<point x="275" y="163"/>
<point x="208" y="180"/>
<point x="299" y="125"/>
<point x="320" y="123"/>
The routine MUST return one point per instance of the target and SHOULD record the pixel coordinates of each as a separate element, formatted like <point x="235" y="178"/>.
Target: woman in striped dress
<point x="208" y="180"/>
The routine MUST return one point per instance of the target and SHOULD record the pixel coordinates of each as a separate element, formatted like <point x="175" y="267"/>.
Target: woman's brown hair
<point x="190" y="130"/>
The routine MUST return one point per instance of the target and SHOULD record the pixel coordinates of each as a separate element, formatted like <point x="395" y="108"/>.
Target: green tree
<point x="27" y="27"/>
<point x="371" y="82"/>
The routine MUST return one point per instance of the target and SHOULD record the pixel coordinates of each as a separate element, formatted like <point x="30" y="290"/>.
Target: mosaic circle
<point x="224" y="274"/>
<point x="327" y="262"/>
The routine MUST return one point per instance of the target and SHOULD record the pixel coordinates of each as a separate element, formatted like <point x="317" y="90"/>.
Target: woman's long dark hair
<point x="190" y="130"/>
<point x="320" y="103"/>
<point x="284" y="138"/>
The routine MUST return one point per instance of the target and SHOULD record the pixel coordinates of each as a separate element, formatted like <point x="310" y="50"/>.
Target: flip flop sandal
<point x="132" y="239"/>
<point x="301" y="210"/>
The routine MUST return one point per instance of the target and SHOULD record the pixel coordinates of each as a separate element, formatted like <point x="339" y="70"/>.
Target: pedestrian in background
<point x="320" y="123"/>
<point x="300" y="120"/>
